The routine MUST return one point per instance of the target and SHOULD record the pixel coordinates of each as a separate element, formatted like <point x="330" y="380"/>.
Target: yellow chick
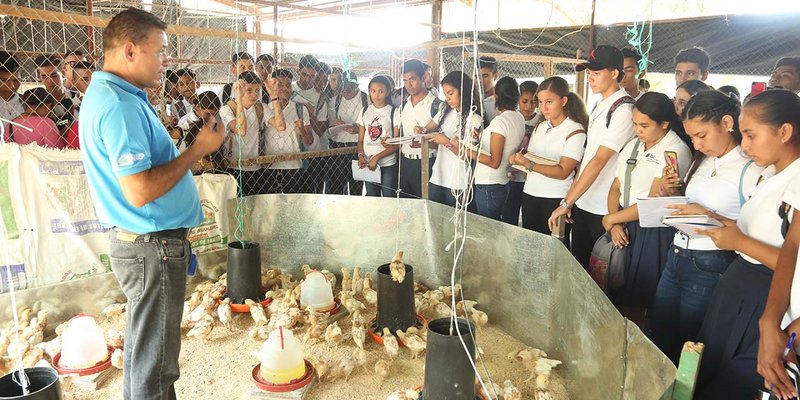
<point x="114" y="310"/>
<point x="203" y="328"/>
<point x="117" y="359"/>
<point x="360" y="356"/>
<point x="331" y="277"/>
<point x="359" y="333"/>
<point x="116" y="338"/>
<point x="224" y="313"/>
<point x="382" y="368"/>
<point x="396" y="268"/>
<point x="259" y="333"/>
<point x="257" y="312"/>
<point x="346" y="280"/>
<point x="357" y="284"/>
<point x="413" y="343"/>
<point x="390" y="343"/>
<point x="352" y="305"/>
<point x="368" y="282"/>
<point x="346" y="366"/>
<point x="333" y="334"/>
<point x="510" y="392"/>
<point x="313" y="333"/>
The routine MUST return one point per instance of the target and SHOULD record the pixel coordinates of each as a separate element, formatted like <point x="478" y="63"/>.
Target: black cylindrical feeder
<point x="244" y="272"/>
<point x="43" y="381"/>
<point x="448" y="372"/>
<point x="395" y="301"/>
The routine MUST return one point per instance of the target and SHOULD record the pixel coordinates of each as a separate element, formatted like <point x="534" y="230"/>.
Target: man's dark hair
<point x="282" y="73"/>
<point x="308" y="61"/>
<point x="628" y="52"/>
<point x="324" y="68"/>
<point x="266" y="58"/>
<point x="132" y="25"/>
<point x="208" y="100"/>
<point x="427" y="66"/>
<point x="789" y="62"/>
<point x="528" y="87"/>
<point x="414" y="66"/>
<point x="186" y="72"/>
<point x="73" y="53"/>
<point x="171" y="76"/>
<point x="84" y="65"/>
<point x="242" y="55"/>
<point x="8" y="63"/>
<point x="488" y="62"/>
<point x="644" y="84"/>
<point x="37" y="96"/>
<point x="47" y="60"/>
<point x="250" y="77"/>
<point x="695" y="55"/>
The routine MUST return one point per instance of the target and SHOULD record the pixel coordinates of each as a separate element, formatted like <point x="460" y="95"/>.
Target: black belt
<point x="128" y="236"/>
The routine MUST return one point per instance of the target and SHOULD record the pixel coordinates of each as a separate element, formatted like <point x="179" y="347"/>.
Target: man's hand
<point x="210" y="137"/>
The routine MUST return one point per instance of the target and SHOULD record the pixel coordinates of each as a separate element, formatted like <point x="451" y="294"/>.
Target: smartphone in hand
<point x="671" y="158"/>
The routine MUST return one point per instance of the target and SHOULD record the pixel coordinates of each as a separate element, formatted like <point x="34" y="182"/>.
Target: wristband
<point x="449" y="145"/>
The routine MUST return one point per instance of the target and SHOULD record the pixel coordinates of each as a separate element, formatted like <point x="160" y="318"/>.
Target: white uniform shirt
<point x="376" y="122"/>
<point x="614" y="137"/>
<point x="449" y="171"/>
<point x="514" y="174"/>
<point x="11" y="109"/>
<point x="720" y="192"/>
<point x="185" y="123"/>
<point x="510" y="124"/>
<point x="489" y="108"/>
<point x="349" y="112"/>
<point x="320" y="106"/>
<point x="416" y="115"/>
<point x="759" y="218"/>
<point x="249" y="142"/>
<point x="650" y="164"/>
<point x="553" y="143"/>
<point x="792" y="197"/>
<point x="287" y="141"/>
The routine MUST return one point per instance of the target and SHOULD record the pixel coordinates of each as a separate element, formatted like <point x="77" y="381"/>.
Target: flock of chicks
<point x="28" y="340"/>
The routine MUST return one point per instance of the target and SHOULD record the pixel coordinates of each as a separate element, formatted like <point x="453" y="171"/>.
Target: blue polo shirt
<point x="121" y="135"/>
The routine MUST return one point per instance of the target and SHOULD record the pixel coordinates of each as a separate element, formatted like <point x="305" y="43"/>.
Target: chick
<point x="322" y="369"/>
<point x="345" y="367"/>
<point x="390" y="343"/>
<point x="360" y="357"/>
<point x="543" y="395"/>
<point x="190" y="304"/>
<point x="382" y="368"/>
<point x="333" y="334"/>
<point x="412" y="342"/>
<point x="60" y="328"/>
<point x="32" y="356"/>
<point x="510" y="392"/>
<point x="315" y="317"/>
<point x="370" y="295"/>
<point x="313" y="333"/>
<point x="114" y="310"/>
<point x="442" y="310"/>
<point x="535" y="361"/>
<point x="259" y="333"/>
<point x="368" y="282"/>
<point x="359" y="333"/>
<point x="306" y="269"/>
<point x="357" y="283"/>
<point x="42" y="316"/>
<point x="203" y="328"/>
<point x="449" y="292"/>
<point x="202" y="309"/>
<point x="224" y="313"/>
<point x="358" y="319"/>
<point x="117" y="359"/>
<point x="331" y="277"/>
<point x="403" y="395"/>
<point x="271" y="278"/>
<point x="396" y="267"/>
<point x="116" y="338"/>
<point x="353" y="305"/>
<point x="346" y="282"/>
<point x="257" y="312"/>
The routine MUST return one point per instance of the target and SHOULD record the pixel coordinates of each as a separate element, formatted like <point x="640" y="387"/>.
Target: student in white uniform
<point x="610" y="128"/>
<point x="639" y="169"/>
<point x="306" y="91"/>
<point x="528" y="107"/>
<point x="685" y="91"/>
<point x="630" y="67"/>
<point x="345" y="111"/>
<point x="241" y="62"/>
<point x="730" y="330"/>
<point x="455" y="121"/>
<point x="207" y="107"/>
<point x="416" y="113"/>
<point x="10" y="101"/>
<point x="561" y="137"/>
<point x="719" y="181"/>
<point x="489" y="74"/>
<point x="786" y="74"/>
<point x="293" y="136"/>
<point x="691" y="64"/>
<point x="187" y="87"/>
<point x="377" y="123"/>
<point x="500" y="140"/>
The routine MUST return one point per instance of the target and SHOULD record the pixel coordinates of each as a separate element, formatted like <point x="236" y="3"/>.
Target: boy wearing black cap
<point x="610" y="128"/>
<point x="632" y="74"/>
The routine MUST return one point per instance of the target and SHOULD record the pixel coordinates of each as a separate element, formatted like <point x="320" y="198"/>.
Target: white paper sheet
<point x="365" y="174"/>
<point x="653" y="209"/>
<point x="687" y="224"/>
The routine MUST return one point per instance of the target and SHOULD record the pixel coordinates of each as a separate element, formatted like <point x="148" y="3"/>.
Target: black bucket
<point x="448" y="373"/>
<point x="44" y="385"/>
<point x="244" y="272"/>
<point x="395" y="301"/>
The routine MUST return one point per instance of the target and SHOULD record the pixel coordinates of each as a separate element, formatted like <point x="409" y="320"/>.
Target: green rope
<point x="635" y="36"/>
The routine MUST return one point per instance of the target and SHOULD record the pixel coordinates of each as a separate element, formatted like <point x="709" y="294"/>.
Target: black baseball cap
<point x="603" y="57"/>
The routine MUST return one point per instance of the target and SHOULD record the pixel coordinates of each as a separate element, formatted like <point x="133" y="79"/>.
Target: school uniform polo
<point x="614" y="136"/>
<point x="377" y="125"/>
<point x="123" y="136"/>
<point x="246" y="146"/>
<point x="553" y="142"/>
<point x="349" y="111"/>
<point x="715" y="186"/>
<point x="288" y="140"/>
<point x="792" y="197"/>
<point x="650" y="164"/>
<point x="511" y="125"/>
<point x="450" y="171"/>
<point x="412" y="116"/>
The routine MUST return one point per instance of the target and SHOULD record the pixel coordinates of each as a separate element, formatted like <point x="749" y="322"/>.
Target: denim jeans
<point x="683" y="295"/>
<point x="151" y="270"/>
<point x="489" y="200"/>
<point x="441" y="195"/>
<point x="388" y="186"/>
<point x="513" y="206"/>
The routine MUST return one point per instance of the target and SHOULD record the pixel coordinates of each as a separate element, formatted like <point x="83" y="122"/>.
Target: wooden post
<point x="688" y="366"/>
<point x="548" y="69"/>
<point x="275" y="32"/>
<point x="591" y="30"/>
<point x="257" y="30"/>
<point x="90" y="47"/>
<point x="580" y="80"/>
<point x="434" y="59"/>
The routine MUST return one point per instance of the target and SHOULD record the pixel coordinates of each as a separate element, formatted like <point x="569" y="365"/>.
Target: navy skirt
<point x="647" y="256"/>
<point x="730" y="333"/>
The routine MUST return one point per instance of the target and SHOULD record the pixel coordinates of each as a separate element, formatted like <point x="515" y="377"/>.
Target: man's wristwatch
<point x="564" y="204"/>
<point x="530" y="166"/>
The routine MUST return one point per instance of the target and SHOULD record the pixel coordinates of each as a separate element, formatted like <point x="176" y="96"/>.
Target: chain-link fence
<point x="56" y="45"/>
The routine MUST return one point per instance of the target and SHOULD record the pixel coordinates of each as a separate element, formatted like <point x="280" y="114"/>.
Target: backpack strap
<point x="226" y="92"/>
<point x="784" y="211"/>
<point x="626" y="192"/>
<point x="11" y="133"/>
<point x="742" y="199"/>
<point x="436" y="104"/>
<point x="391" y="120"/>
<point x="262" y="129"/>
<point x="337" y="104"/>
<point x="620" y="101"/>
<point x="576" y="132"/>
<point x="364" y="100"/>
<point x="180" y="108"/>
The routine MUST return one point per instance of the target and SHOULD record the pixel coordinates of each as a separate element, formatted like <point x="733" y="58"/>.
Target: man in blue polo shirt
<point x="142" y="187"/>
